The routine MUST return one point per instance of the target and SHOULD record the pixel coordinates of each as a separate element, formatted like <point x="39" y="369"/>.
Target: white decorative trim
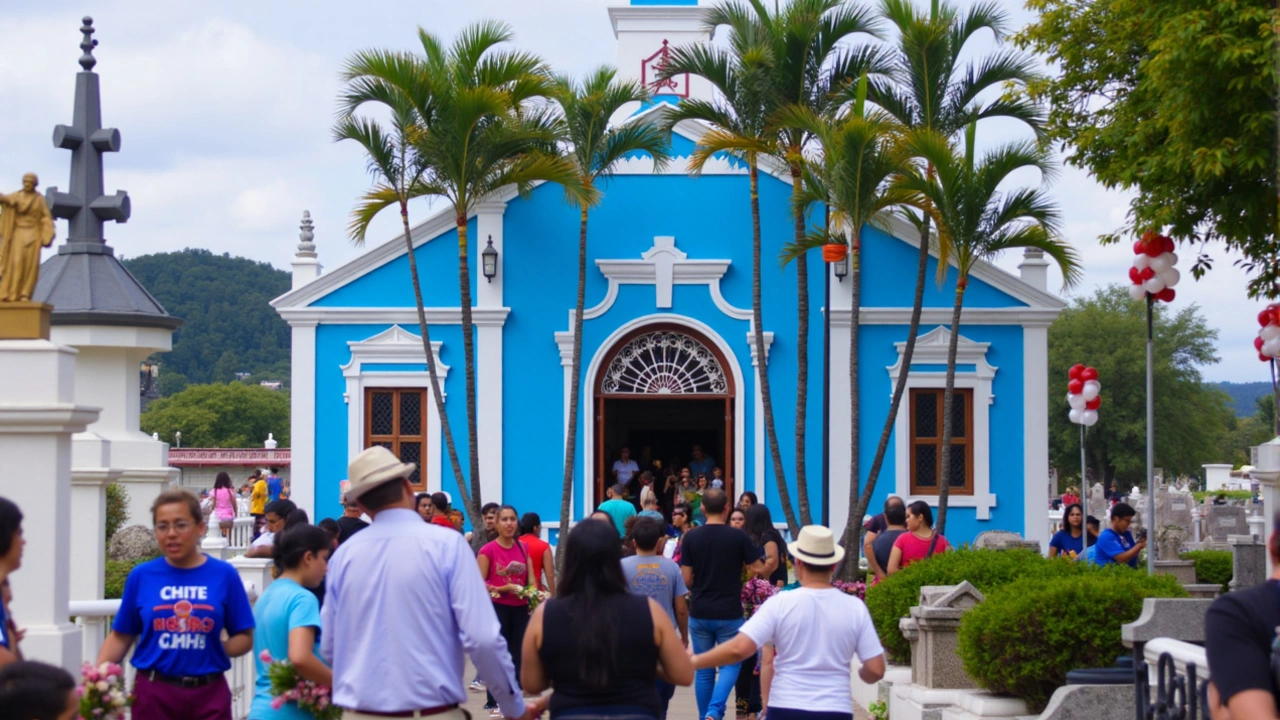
<point x="1026" y="317"/>
<point x="931" y="349"/>
<point x="593" y="369"/>
<point x="302" y="410"/>
<point x="489" y="380"/>
<point x="663" y="266"/>
<point x="397" y="315"/>
<point x="761" y="484"/>
<point x="643" y="165"/>
<point x="394" y="346"/>
<point x="1035" y="429"/>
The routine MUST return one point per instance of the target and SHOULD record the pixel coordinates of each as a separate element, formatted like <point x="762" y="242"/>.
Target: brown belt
<point x="409" y="713"/>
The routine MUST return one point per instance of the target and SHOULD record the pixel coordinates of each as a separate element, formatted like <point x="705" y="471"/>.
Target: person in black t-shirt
<point x="1242" y="649"/>
<point x="711" y="560"/>
<point x="350" y="523"/>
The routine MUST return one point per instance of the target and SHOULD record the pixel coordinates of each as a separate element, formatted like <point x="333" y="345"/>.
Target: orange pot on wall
<point x="834" y="252"/>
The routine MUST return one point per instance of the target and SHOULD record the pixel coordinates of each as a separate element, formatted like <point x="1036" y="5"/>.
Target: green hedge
<point x="987" y="570"/>
<point x="1200" y="495"/>
<point x="1027" y="635"/>
<point x="1212" y="566"/>
<point x="116" y="573"/>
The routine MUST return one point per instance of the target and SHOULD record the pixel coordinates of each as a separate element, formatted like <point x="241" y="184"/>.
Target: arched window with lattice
<point x="664" y="362"/>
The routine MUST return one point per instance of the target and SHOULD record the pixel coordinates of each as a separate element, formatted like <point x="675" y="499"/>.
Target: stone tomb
<point x="933" y="631"/>
<point x="1248" y="561"/>
<point x="1224" y="521"/>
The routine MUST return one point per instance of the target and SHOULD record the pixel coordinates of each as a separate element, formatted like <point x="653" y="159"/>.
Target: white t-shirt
<point x="266" y="538"/>
<point x="625" y="469"/>
<point x="817" y="634"/>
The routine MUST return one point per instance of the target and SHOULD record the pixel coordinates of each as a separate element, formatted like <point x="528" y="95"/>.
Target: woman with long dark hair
<point x="1069" y="541"/>
<point x="504" y="565"/>
<point x="224" y="503"/>
<point x="599" y="646"/>
<point x="752" y="688"/>
<point x="287" y="617"/>
<point x="920" y="542"/>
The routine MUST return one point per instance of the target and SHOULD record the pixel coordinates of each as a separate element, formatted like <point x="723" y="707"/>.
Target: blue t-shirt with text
<point x="1111" y="544"/>
<point x="655" y="576"/>
<point x="178" y="615"/>
<point x="284" y="607"/>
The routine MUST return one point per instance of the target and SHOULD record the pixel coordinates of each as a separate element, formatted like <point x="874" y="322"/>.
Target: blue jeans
<point x="711" y="691"/>
<point x="665" y="691"/>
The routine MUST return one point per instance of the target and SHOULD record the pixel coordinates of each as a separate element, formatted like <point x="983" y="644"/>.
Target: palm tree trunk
<point x="469" y="359"/>
<point x="802" y="349"/>
<point x="762" y="365"/>
<point x="944" y="464"/>
<point x="450" y="447"/>
<point x="858" y="510"/>
<point x="575" y="388"/>
<point x="851" y="538"/>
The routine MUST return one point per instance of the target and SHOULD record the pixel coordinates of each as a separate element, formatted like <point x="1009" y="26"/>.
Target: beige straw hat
<point x="374" y="467"/>
<point x="816" y="545"/>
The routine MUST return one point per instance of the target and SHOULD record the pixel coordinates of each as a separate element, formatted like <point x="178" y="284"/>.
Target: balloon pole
<point x="1151" y="473"/>
<point x="1084" y="502"/>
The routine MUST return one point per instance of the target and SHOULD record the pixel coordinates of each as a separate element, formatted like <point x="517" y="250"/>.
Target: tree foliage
<point x="234" y="415"/>
<point x="1108" y="331"/>
<point x="1175" y="101"/>
<point x="228" y="326"/>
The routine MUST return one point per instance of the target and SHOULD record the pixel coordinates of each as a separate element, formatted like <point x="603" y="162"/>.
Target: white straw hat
<point x="816" y="545"/>
<point x="374" y="467"/>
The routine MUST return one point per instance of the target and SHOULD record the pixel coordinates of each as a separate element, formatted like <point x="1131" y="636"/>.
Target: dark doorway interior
<point x="665" y="429"/>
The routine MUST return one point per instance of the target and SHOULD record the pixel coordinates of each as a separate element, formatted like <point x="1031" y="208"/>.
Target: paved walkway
<point x="683" y="705"/>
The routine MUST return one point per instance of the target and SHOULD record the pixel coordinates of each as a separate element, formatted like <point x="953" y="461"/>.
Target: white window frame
<point x="394" y="346"/>
<point x="931" y="349"/>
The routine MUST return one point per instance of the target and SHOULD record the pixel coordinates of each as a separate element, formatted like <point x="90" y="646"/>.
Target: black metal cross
<point x="86" y="206"/>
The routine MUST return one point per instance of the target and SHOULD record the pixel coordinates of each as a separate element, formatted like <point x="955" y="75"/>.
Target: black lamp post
<point x="489" y="261"/>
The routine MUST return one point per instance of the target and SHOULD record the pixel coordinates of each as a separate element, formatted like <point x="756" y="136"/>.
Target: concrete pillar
<point x="489" y="226"/>
<point x="38" y="415"/>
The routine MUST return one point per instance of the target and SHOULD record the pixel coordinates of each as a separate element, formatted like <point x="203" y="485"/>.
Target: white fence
<point x="95" y="616"/>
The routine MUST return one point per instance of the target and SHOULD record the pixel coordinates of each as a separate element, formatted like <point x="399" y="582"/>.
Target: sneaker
<point x="495" y="713"/>
<point x="476" y="686"/>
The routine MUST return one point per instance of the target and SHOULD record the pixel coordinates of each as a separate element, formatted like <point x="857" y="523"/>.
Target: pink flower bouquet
<point x="101" y="692"/>
<point x="754" y="592"/>
<point x="287" y="686"/>
<point x="856" y="589"/>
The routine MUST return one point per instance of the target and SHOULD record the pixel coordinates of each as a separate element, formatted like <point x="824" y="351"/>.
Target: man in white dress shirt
<point x="404" y="600"/>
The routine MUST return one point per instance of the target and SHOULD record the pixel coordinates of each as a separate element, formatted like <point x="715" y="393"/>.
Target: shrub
<point x="1212" y="566"/>
<point x="987" y="570"/>
<point x="116" y="573"/>
<point x="1200" y="495"/>
<point x="1027" y="635"/>
<point x="117" y="508"/>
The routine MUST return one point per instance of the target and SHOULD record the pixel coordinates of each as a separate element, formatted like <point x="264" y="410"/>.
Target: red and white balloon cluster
<point x="1153" y="272"/>
<point x="1268" y="341"/>
<point x="1083" y="395"/>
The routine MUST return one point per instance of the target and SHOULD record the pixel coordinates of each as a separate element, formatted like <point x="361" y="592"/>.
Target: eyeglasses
<point x="181" y="526"/>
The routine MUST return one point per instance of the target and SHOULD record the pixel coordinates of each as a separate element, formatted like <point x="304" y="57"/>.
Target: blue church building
<point x="667" y="354"/>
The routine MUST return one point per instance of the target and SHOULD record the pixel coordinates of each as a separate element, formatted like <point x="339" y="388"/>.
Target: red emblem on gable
<point x="651" y="72"/>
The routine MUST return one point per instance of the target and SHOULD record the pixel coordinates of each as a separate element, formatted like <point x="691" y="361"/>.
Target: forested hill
<point x="1244" y="396"/>
<point x="228" y="326"/>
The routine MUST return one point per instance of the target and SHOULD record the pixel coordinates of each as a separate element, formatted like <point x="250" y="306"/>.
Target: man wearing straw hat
<point x="404" y="599"/>
<point x="817" y="629"/>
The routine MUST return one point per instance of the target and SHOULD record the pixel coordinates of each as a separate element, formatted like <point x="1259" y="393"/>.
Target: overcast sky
<point x="225" y="111"/>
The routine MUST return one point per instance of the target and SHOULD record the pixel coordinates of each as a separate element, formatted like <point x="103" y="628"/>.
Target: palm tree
<point x="979" y="222"/>
<point x="863" y="157"/>
<point x="930" y="89"/>
<point x="475" y="133"/>
<point x="807" y="70"/>
<point x="595" y="149"/>
<point x="738" y="127"/>
<point x="372" y="76"/>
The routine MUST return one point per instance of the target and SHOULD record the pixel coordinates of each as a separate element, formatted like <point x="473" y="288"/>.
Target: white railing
<point x="95" y="617"/>
<point x="1055" y="521"/>
<point x="241" y="534"/>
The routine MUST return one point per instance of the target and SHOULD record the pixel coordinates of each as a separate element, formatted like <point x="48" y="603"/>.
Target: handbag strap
<point x="933" y="544"/>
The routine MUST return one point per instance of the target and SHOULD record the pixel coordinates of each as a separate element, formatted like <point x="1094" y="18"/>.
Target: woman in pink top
<point x="920" y="541"/>
<point x="224" y="503"/>
<point x="504" y="565"/>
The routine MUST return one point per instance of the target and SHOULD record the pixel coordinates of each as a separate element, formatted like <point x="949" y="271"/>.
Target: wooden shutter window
<point x="397" y="420"/>
<point x="925" y="447"/>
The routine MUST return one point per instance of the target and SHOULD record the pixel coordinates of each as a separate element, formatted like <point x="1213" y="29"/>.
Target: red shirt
<point x="914" y="548"/>
<point x="537" y="549"/>
<point x="442" y="521"/>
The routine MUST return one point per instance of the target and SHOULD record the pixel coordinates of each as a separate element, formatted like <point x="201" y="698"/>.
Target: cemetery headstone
<point x="1226" y="520"/>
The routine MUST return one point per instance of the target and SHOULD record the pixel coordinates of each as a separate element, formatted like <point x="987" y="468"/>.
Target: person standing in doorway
<point x="11" y="544"/>
<point x="701" y="464"/>
<point x="404" y="599"/>
<point x="618" y="508"/>
<point x="711" y="560"/>
<point x="275" y="486"/>
<point x="651" y="574"/>
<point x="624" y="467"/>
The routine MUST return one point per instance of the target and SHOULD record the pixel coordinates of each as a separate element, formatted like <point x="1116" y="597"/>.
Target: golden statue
<point x="26" y="226"/>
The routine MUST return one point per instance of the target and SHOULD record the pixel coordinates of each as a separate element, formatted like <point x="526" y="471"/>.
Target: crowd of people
<point x="382" y="604"/>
